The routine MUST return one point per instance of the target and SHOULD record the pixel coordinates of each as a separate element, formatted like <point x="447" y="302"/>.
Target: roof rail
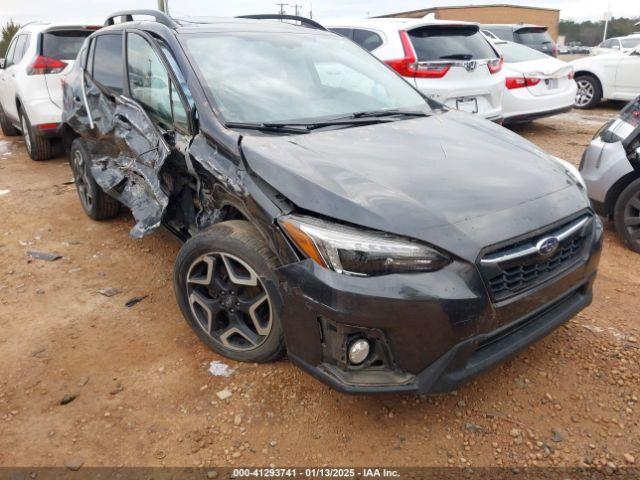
<point x="127" y="16"/>
<point x="306" y="22"/>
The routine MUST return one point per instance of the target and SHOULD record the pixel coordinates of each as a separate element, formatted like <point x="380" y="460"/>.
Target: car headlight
<point x="353" y="251"/>
<point x="572" y="171"/>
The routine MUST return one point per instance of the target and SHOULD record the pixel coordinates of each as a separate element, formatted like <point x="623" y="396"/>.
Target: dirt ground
<point x="145" y="395"/>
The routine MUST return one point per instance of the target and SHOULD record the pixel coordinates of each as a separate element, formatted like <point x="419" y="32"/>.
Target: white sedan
<point x="615" y="76"/>
<point x="537" y="85"/>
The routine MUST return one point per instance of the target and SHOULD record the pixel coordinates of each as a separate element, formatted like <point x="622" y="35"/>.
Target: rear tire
<point x="38" y="147"/>
<point x="95" y="203"/>
<point x="589" y="92"/>
<point x="8" y="130"/>
<point x="626" y="215"/>
<point x="225" y="283"/>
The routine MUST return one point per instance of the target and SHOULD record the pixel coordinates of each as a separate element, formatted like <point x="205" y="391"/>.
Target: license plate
<point x="467" y="105"/>
<point x="552" y="83"/>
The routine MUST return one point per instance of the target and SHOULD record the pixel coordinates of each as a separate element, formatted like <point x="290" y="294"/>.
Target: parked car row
<point x="456" y="64"/>
<point x="617" y="44"/>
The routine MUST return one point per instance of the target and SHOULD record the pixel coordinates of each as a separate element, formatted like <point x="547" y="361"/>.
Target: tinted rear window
<point x="450" y="43"/>
<point x="533" y="36"/>
<point x="107" y="62"/>
<point x="63" y="45"/>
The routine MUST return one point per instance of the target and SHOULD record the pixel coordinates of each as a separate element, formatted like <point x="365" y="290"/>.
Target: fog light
<point x="358" y="351"/>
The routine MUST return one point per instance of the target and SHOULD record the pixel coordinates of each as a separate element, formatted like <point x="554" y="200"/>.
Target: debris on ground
<point x="224" y="394"/>
<point x="134" y="301"/>
<point x="4" y="192"/>
<point x="108" y="292"/>
<point x="219" y="369"/>
<point x="68" y="399"/>
<point x="48" y="256"/>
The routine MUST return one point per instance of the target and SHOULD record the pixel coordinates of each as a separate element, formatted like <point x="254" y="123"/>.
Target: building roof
<point x="492" y="5"/>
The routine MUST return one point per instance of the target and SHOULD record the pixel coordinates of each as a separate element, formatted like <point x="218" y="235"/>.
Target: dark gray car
<point x="327" y="208"/>
<point x="533" y="36"/>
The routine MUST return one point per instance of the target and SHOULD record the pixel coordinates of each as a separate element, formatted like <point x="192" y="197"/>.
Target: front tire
<point x="95" y="203"/>
<point x="226" y="288"/>
<point x="626" y="215"/>
<point x="589" y="92"/>
<point x="38" y="147"/>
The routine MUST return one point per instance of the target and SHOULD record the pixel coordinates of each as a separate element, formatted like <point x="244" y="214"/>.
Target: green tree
<point x="590" y="33"/>
<point x="7" y="33"/>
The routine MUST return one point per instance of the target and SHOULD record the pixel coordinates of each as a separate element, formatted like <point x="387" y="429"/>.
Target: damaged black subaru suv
<point x="327" y="208"/>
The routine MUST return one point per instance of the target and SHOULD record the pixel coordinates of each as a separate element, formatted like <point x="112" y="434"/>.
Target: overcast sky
<point x="23" y="11"/>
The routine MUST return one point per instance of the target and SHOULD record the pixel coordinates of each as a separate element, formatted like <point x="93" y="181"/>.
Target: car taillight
<point x="571" y="75"/>
<point x="45" y="65"/>
<point x="520" y="82"/>
<point x="495" y="65"/>
<point x="408" y="65"/>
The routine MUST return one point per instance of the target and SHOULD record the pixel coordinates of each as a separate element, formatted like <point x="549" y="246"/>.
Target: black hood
<point x="415" y="177"/>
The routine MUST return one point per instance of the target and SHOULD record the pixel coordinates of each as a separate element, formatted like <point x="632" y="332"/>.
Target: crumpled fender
<point x="130" y="173"/>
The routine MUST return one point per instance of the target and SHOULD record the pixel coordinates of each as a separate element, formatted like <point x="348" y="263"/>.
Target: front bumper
<point x="431" y="332"/>
<point x="603" y="164"/>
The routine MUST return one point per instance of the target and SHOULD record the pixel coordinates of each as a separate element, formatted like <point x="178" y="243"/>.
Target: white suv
<point x="449" y="61"/>
<point x="38" y="57"/>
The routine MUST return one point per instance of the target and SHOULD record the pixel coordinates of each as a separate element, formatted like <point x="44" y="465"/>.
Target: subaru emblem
<point x="548" y="246"/>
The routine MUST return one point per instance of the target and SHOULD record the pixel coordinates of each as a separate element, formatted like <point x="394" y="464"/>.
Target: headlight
<point x="572" y="171"/>
<point x="352" y="251"/>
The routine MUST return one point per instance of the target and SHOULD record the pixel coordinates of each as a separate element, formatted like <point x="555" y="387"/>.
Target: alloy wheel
<point x="632" y="218"/>
<point x="25" y="133"/>
<point x="229" y="301"/>
<point x="585" y="93"/>
<point x="81" y="179"/>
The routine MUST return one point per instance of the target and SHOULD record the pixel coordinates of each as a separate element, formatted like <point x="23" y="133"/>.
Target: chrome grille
<point x="519" y="267"/>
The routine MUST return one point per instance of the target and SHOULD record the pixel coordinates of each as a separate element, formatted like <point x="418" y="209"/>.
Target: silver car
<point x="610" y="167"/>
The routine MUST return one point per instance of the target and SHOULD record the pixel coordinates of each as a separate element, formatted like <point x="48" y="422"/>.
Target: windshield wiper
<point x="390" y="113"/>
<point x="457" y="56"/>
<point x="361" y="118"/>
<point x="269" y="127"/>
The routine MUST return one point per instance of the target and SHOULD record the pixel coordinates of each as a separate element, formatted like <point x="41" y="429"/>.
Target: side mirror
<point x="615" y="47"/>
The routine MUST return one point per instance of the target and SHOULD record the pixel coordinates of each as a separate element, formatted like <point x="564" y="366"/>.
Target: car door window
<point x="367" y="39"/>
<point x="21" y="48"/>
<point x="12" y="48"/>
<point x="89" y="67"/>
<point x="151" y="86"/>
<point x="108" y="62"/>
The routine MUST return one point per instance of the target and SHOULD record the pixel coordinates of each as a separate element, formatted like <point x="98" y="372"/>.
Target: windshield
<point x="514" y="52"/>
<point x="630" y="42"/>
<point x="275" y="77"/>
<point x="450" y="43"/>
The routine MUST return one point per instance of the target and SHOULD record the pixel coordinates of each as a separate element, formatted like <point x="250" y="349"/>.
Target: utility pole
<point x="297" y="8"/>
<point x="607" y="17"/>
<point x="281" y="5"/>
<point x="311" y="12"/>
